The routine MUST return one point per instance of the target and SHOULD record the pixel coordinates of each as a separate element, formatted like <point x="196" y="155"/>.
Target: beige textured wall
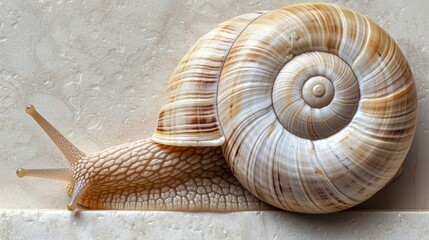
<point x="97" y="70"/>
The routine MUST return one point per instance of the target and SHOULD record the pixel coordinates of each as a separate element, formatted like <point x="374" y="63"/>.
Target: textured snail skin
<point x="312" y="107"/>
<point x="148" y="175"/>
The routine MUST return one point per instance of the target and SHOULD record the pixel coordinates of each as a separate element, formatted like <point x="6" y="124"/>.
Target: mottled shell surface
<point x="314" y="105"/>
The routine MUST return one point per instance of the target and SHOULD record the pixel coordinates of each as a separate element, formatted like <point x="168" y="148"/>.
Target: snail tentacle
<point x="63" y="174"/>
<point x="79" y="190"/>
<point x="70" y="151"/>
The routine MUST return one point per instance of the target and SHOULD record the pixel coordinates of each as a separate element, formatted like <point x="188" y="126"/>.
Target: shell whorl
<point x="314" y="105"/>
<point x="315" y="95"/>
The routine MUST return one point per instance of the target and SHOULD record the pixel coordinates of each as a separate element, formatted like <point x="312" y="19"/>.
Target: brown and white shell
<point x="314" y="105"/>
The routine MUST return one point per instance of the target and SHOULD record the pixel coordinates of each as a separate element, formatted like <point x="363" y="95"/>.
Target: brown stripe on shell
<point x="188" y="115"/>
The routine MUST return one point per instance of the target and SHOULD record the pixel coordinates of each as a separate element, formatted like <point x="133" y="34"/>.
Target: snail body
<point x="310" y="108"/>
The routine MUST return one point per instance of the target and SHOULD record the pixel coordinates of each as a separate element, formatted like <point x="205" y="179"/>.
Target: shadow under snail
<point x="310" y="108"/>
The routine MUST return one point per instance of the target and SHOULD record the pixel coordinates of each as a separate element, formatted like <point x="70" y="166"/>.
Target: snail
<point x="310" y="108"/>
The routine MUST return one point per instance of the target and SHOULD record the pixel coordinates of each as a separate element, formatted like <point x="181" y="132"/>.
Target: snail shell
<point x="314" y="105"/>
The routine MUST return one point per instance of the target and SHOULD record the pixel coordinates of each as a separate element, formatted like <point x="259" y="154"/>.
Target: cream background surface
<point x="97" y="70"/>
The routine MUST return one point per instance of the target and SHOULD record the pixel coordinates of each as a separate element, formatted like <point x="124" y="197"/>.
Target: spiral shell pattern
<point x="314" y="105"/>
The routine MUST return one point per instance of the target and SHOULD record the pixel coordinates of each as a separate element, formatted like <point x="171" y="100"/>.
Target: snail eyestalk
<point x="63" y="174"/>
<point x="70" y="151"/>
